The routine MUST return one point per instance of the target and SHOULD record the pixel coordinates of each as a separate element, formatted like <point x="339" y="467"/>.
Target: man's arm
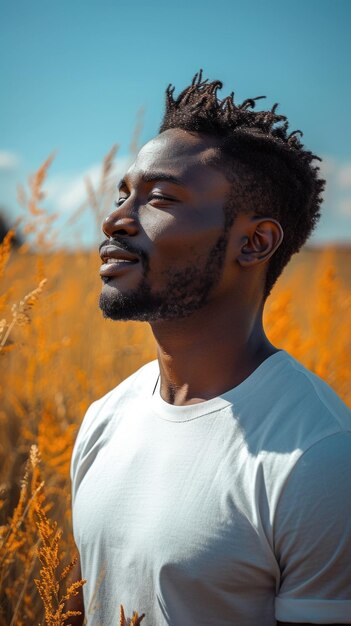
<point x="75" y="603"/>
<point x="313" y="537"/>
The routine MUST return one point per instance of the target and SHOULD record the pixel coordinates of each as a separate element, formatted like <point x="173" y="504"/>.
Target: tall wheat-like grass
<point x="57" y="355"/>
<point x="135" y="620"/>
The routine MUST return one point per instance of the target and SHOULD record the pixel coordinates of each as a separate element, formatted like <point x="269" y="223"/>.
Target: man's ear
<point x="263" y="237"/>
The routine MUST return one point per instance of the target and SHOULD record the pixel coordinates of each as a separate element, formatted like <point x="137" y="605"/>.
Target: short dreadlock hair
<point x="277" y="177"/>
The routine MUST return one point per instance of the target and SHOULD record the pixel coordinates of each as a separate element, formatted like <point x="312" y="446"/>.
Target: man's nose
<point x="120" y="222"/>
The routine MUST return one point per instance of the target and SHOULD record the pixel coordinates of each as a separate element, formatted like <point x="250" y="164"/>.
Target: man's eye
<point x="157" y="196"/>
<point x="119" y="201"/>
<point x="153" y="196"/>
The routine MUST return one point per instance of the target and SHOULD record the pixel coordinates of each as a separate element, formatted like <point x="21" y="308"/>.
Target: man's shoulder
<point x="142" y="381"/>
<point x="289" y="409"/>
<point x="104" y="414"/>
<point x="138" y="385"/>
<point x="307" y="389"/>
<point x="135" y="388"/>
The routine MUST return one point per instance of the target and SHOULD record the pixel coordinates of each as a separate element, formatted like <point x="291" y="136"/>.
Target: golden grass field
<point x="58" y="355"/>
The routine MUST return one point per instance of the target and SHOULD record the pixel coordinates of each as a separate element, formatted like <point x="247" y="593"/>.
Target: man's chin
<point x="133" y="306"/>
<point x="116" y="308"/>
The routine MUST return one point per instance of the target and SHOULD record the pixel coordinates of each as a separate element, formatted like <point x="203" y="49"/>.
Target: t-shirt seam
<point x="314" y="600"/>
<point x="191" y="419"/>
<point x="297" y="367"/>
<point x="236" y="401"/>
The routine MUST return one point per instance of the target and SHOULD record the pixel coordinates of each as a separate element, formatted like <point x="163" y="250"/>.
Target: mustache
<point x="122" y="245"/>
<point x="125" y="245"/>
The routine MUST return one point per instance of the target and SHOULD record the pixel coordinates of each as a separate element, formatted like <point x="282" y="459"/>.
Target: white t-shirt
<point x="234" y="511"/>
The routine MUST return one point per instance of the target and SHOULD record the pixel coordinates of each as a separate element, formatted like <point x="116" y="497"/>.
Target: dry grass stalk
<point x="99" y="198"/>
<point x="107" y="168"/>
<point x="134" y="146"/>
<point x="38" y="221"/>
<point x="135" y="620"/>
<point x="20" y="313"/>
<point x="18" y="544"/>
<point x="28" y="535"/>
<point x="50" y="580"/>
<point x="5" y="250"/>
<point x="35" y="183"/>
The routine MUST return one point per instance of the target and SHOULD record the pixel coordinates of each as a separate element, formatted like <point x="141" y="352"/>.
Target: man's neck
<point x="209" y="353"/>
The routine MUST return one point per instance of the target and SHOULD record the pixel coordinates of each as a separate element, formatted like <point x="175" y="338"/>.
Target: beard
<point x="187" y="291"/>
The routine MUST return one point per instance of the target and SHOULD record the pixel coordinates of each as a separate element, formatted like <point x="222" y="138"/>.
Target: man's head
<point x="277" y="176"/>
<point x="168" y="233"/>
<point x="205" y="201"/>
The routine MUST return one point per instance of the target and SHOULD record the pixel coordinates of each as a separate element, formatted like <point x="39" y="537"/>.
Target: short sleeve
<point x="312" y="536"/>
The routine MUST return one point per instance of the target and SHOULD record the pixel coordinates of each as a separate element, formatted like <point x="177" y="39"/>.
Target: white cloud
<point x="327" y="166"/>
<point x="345" y="206"/>
<point x="67" y="192"/>
<point x="345" y="176"/>
<point x="337" y="196"/>
<point x="8" y="160"/>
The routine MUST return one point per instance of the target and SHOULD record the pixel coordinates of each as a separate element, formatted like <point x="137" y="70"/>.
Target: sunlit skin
<point x="219" y="345"/>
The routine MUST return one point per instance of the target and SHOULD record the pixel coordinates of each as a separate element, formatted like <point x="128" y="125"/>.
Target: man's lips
<point x="115" y="260"/>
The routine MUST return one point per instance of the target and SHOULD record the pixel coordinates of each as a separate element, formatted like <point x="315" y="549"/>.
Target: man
<point x="211" y="488"/>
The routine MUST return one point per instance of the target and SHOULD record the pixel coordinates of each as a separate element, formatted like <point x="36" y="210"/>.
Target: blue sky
<point x="74" y="74"/>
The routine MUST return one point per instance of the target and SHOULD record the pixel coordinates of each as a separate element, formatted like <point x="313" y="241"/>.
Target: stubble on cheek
<point x="171" y="293"/>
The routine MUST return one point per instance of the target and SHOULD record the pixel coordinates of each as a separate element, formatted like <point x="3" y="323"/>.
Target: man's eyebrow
<point x="156" y="176"/>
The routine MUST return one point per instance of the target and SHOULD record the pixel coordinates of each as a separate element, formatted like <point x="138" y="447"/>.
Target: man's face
<point x="167" y="238"/>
